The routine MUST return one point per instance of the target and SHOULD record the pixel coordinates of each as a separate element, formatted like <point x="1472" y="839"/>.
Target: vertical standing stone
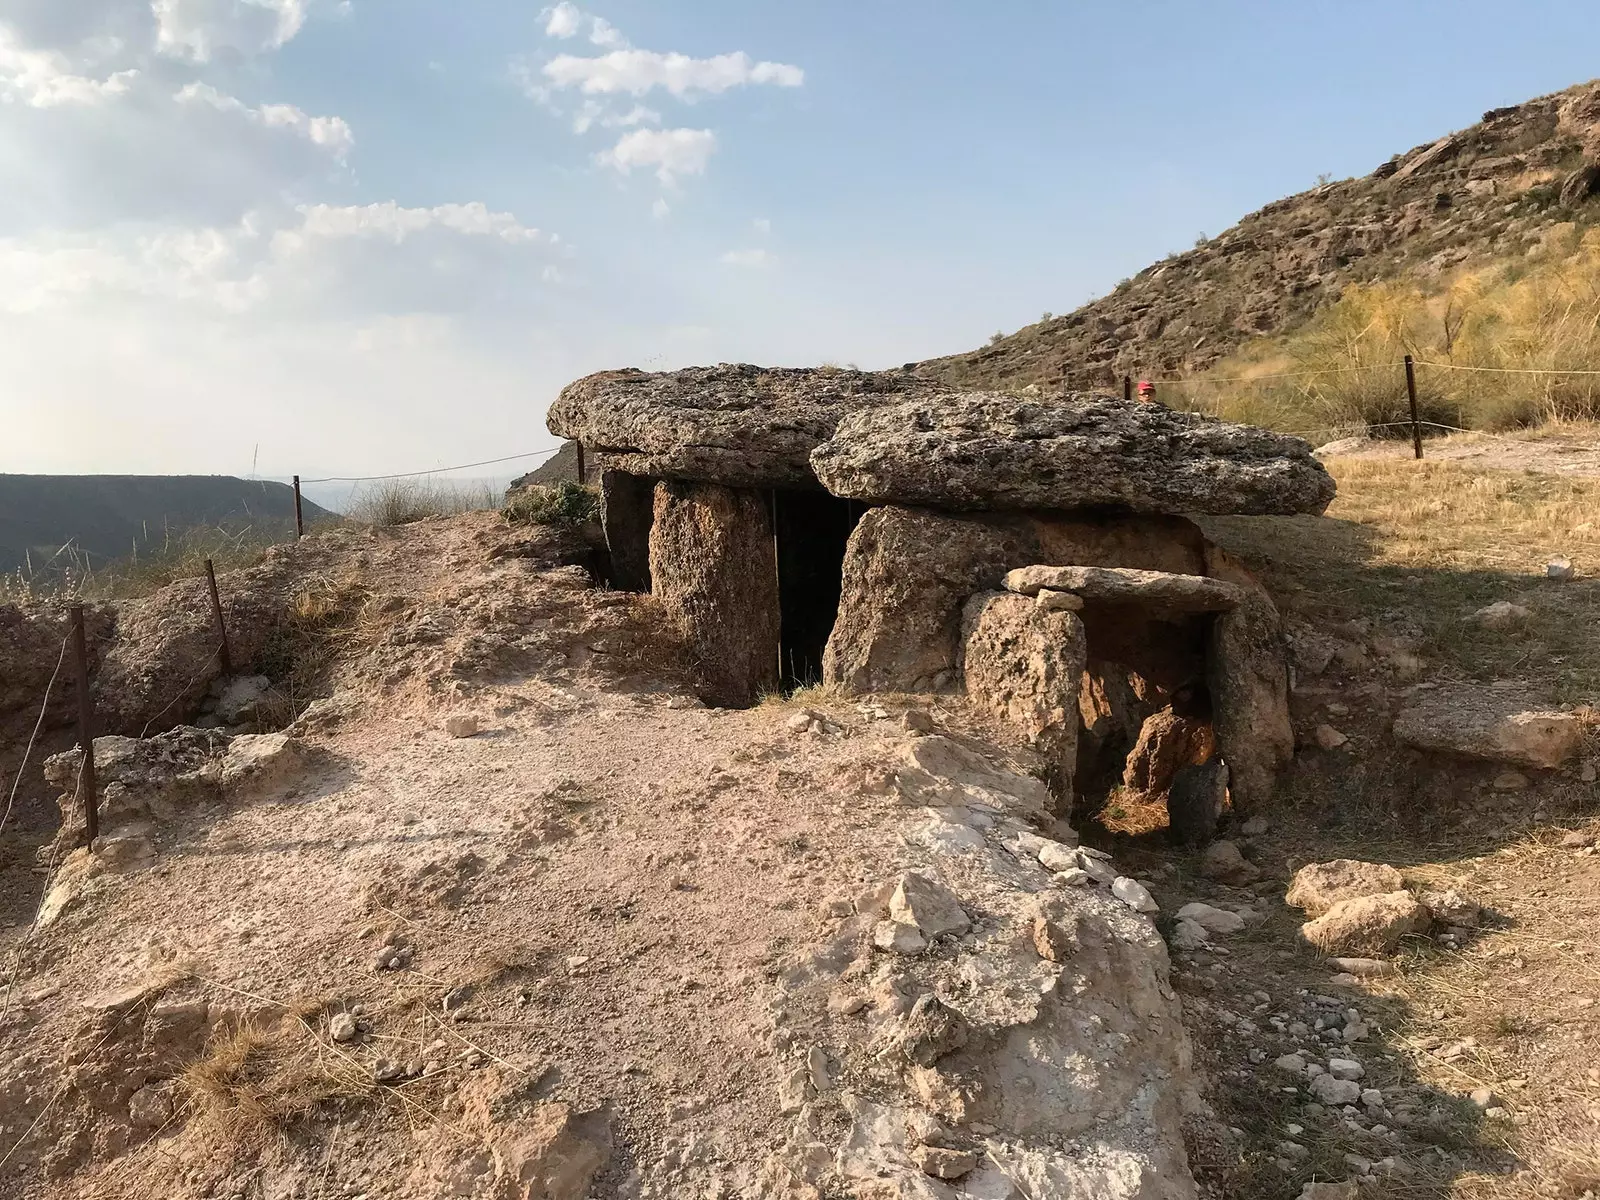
<point x="1247" y="667"/>
<point x="714" y="568"/>
<point x="1025" y="664"/>
<point x="627" y="504"/>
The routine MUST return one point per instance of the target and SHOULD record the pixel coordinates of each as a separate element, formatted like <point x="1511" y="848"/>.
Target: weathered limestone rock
<point x="738" y="425"/>
<point x="908" y="573"/>
<point x="627" y="508"/>
<point x="1159" y="593"/>
<point x="1248" y="675"/>
<point x="982" y="451"/>
<point x="1318" y="887"/>
<point x="1367" y="924"/>
<point x="713" y="567"/>
<point x="1025" y="664"/>
<point x="1168" y="742"/>
<point x="1495" y="726"/>
<point x="927" y="906"/>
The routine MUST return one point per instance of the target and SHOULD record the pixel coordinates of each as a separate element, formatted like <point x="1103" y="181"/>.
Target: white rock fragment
<point x="898" y="938"/>
<point x="1212" y="920"/>
<point x="1345" y="1068"/>
<point x="1134" y="894"/>
<point x="930" y="907"/>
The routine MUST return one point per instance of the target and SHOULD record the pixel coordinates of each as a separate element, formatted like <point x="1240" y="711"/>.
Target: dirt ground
<point x="586" y="901"/>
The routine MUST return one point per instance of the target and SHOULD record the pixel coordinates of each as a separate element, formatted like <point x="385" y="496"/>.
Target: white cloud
<point x="638" y="72"/>
<point x="594" y="113"/>
<point x="45" y="78"/>
<point x="762" y="226"/>
<point x="330" y="133"/>
<point x="753" y="259"/>
<point x="603" y="33"/>
<point x="672" y="152"/>
<point x="199" y="29"/>
<point x="563" y="21"/>
<point x="660" y="210"/>
<point x="349" y="260"/>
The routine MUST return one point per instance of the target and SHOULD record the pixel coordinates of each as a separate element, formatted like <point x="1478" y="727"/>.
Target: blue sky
<point x="374" y="235"/>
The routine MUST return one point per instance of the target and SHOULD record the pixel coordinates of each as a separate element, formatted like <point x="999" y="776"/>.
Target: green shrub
<point x="567" y="505"/>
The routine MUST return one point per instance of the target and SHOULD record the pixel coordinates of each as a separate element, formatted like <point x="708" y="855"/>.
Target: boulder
<point x="1025" y="665"/>
<point x="1367" y="925"/>
<point x="1247" y="670"/>
<point x="734" y="424"/>
<point x="1502" y="614"/>
<point x="714" y="569"/>
<point x="1495" y="726"/>
<point x="1070" y="451"/>
<point x="1225" y="863"/>
<point x="909" y="572"/>
<point x="928" y="907"/>
<point x="1160" y="593"/>
<point x="1318" y="887"/>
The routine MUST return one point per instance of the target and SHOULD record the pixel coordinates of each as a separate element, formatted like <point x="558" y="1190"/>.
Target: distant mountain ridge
<point x="108" y="516"/>
<point x="1487" y="192"/>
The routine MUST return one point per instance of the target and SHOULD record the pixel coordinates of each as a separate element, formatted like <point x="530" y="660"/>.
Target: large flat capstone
<point x="981" y="451"/>
<point x="893" y="437"/>
<point x="734" y="424"/>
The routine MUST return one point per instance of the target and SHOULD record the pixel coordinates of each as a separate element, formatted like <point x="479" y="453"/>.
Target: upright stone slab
<point x="909" y="571"/>
<point x="1024" y="662"/>
<point x="627" y="509"/>
<point x="1248" y="674"/>
<point x="712" y="566"/>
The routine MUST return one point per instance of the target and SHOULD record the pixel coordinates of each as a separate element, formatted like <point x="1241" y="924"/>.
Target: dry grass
<point x="390" y="502"/>
<point x="1433" y="542"/>
<point x="261" y="1076"/>
<point x="73" y="575"/>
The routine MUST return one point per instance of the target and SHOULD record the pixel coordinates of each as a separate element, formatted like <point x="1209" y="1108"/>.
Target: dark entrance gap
<point x="810" y="530"/>
<point x="1139" y="668"/>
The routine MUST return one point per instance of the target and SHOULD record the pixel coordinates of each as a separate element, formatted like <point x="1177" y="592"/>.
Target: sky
<point x="355" y="237"/>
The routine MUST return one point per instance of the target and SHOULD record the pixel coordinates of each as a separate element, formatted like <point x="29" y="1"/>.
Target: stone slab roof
<point x="896" y="438"/>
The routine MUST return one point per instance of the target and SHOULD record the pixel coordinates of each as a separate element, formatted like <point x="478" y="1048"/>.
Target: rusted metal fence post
<point x="1411" y="391"/>
<point x="583" y="474"/>
<point x="86" y="781"/>
<point x="224" y="652"/>
<point x="299" y="518"/>
<point x="1127" y="389"/>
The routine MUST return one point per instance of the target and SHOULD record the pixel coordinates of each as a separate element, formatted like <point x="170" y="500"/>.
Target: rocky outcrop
<point x="908" y="572"/>
<point x="1498" y="727"/>
<point x="713" y="568"/>
<point x="1247" y="668"/>
<point x="738" y="425"/>
<point x="1157" y="593"/>
<point x="987" y="452"/>
<point x="34" y="651"/>
<point x="1024" y="662"/>
<point x="1039" y="1053"/>
<point x="1498" y="184"/>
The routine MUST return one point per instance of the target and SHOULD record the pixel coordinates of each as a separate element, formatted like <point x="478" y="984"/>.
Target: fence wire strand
<point x="44" y="707"/>
<point x="493" y="462"/>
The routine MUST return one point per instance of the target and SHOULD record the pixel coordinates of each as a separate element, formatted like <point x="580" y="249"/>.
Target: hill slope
<point x="106" y="516"/>
<point x="1487" y="192"/>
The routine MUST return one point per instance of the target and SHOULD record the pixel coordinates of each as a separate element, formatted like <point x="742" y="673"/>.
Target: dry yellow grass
<point x="1433" y="542"/>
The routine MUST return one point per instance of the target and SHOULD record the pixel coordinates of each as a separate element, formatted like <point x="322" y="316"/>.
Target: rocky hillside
<point x="1487" y="192"/>
<point x="107" y="516"/>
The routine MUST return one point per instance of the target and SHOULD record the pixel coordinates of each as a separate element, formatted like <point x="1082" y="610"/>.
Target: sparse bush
<point x="72" y="573"/>
<point x="567" y="505"/>
<point x="387" y="502"/>
<point x="998" y="336"/>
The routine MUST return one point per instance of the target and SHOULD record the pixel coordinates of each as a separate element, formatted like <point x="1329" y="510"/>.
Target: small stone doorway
<point x="810" y="531"/>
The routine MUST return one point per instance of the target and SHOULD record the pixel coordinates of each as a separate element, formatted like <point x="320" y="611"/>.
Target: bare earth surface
<point x="1578" y="455"/>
